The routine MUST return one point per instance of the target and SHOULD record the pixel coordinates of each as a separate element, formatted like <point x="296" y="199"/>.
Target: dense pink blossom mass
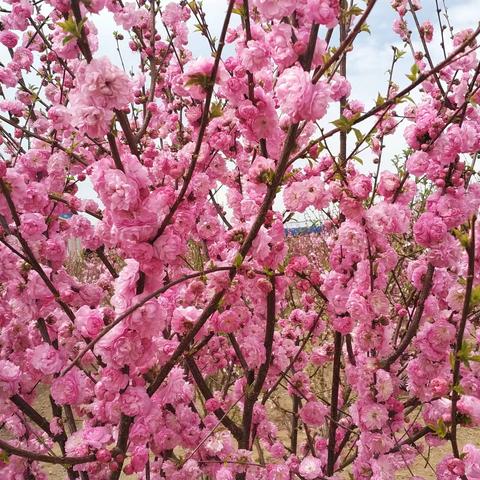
<point x="191" y="337"/>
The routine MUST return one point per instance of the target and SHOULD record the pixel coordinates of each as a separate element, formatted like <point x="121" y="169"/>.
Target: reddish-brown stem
<point x="207" y="394"/>
<point x="39" y="457"/>
<point x="460" y="334"/>
<point x="135" y="307"/>
<point x="337" y="356"/>
<point x="392" y="101"/>
<point x="346" y="42"/>
<point x="203" y="127"/>
<point x="30" y="255"/>
<point x="413" y="327"/>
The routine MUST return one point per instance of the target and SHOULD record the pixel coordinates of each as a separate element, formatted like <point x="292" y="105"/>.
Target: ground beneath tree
<point x="420" y="468"/>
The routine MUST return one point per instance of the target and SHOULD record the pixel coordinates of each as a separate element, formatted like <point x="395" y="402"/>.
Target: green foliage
<point x="198" y="80"/>
<point x="414" y="71"/>
<point x="72" y="28"/>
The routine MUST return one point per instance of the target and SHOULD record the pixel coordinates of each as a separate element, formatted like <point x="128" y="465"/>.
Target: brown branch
<point x="83" y="40"/>
<point x="135" y="307"/>
<point x="115" y="153"/>
<point x="38" y="457"/>
<point x="30" y="255"/>
<point x="122" y="118"/>
<point x="346" y="43"/>
<point x="427" y="53"/>
<point x="219" y="210"/>
<point x="268" y="394"/>
<point x="122" y="443"/>
<point x="394" y="100"/>
<point x="334" y="403"/>
<point x="412" y="329"/>
<point x="46" y="140"/>
<point x="100" y="251"/>
<point x="203" y="126"/>
<point x="460" y="334"/>
<point x="207" y="394"/>
<point x="57" y="198"/>
<point x="254" y="388"/>
<point x="32" y="414"/>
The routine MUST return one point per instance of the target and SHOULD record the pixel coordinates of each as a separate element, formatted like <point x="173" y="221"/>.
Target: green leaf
<point x="358" y="134"/>
<point x="216" y="110"/>
<point x="199" y="80"/>
<point x="358" y="159"/>
<point x="475" y="297"/>
<point x="266" y="177"/>
<point x="461" y="237"/>
<point x="365" y="28"/>
<point x="237" y="262"/>
<point x="459" y="389"/>
<point x="451" y="359"/>
<point x="239" y="11"/>
<point x="398" y="53"/>
<point x="441" y="429"/>
<point x="67" y="39"/>
<point x="343" y="124"/>
<point x="380" y="100"/>
<point x="414" y="71"/>
<point x="464" y="354"/>
<point x="72" y="27"/>
<point x="354" y="11"/>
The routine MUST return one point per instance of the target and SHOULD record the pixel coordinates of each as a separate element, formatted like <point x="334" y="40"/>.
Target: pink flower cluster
<point x="177" y="324"/>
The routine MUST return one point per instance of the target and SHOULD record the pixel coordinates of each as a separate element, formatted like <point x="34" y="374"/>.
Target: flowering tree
<point x="197" y="342"/>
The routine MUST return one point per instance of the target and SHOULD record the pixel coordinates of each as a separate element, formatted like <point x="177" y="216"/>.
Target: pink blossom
<point x="255" y="56"/>
<point x="298" y="196"/>
<point x="224" y="473"/>
<point x="470" y="406"/>
<point x="310" y="467"/>
<point x="32" y="226"/>
<point x="96" y="437"/>
<point x="279" y="40"/>
<point x="46" y="359"/>
<point x="324" y="12"/>
<point x="92" y="120"/>
<point x="299" y="97"/>
<point x="103" y="85"/>
<point x="9" y="372"/>
<point x="313" y="414"/>
<point x="8" y="38"/>
<point x="135" y="401"/>
<point x="166" y="246"/>
<point x="89" y="322"/>
<point x="472" y="461"/>
<point x="130" y="16"/>
<point x="71" y="388"/>
<point x="427" y="31"/>
<point x="429" y="230"/>
<point x="388" y="218"/>
<point x="384" y="385"/>
<point x="360" y="186"/>
<point x="197" y="75"/>
<point x="373" y="416"/>
<point x="274" y="8"/>
<point x="388" y="185"/>
<point x="340" y="88"/>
